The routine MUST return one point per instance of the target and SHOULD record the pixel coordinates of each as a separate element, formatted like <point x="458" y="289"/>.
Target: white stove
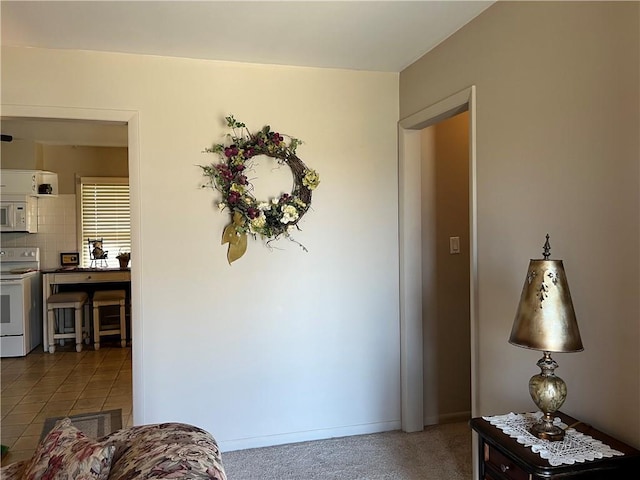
<point x="20" y="301"/>
<point x="19" y="262"/>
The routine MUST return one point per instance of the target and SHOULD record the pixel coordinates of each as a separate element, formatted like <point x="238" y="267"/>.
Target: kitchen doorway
<point x="82" y="117"/>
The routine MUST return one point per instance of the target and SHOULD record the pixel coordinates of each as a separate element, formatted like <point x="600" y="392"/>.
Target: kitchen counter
<point x="82" y="269"/>
<point x="80" y="279"/>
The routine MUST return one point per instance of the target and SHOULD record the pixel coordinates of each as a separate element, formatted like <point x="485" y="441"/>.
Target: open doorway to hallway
<point x="412" y="246"/>
<point x="445" y="271"/>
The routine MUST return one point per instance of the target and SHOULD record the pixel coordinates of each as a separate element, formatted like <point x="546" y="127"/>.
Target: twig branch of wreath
<point x="271" y="219"/>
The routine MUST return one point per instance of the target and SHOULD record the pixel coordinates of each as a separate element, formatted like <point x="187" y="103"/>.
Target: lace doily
<point x="575" y="447"/>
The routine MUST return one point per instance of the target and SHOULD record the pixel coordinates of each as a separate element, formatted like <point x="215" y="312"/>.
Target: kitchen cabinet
<point x="29" y="182"/>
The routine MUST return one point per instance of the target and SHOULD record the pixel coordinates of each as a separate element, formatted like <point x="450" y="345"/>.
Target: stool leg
<point x="96" y="327"/>
<point x="50" y="328"/>
<point x="77" y="318"/>
<point x="61" y="323"/>
<point x="123" y="326"/>
<point x="86" y="335"/>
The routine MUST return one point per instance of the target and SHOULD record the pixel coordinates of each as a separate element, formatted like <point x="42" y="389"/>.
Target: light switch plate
<point x="454" y="245"/>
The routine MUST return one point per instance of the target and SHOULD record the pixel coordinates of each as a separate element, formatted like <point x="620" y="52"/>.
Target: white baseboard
<point x="295" y="437"/>
<point x="447" y="418"/>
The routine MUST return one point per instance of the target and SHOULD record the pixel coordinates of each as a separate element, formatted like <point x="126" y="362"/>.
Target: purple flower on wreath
<point x="253" y="213"/>
<point x="231" y="151"/>
<point x="241" y="180"/>
<point x="238" y="168"/>
<point x="225" y="172"/>
<point x="234" y="197"/>
<point x="276" y="138"/>
<point x="284" y="198"/>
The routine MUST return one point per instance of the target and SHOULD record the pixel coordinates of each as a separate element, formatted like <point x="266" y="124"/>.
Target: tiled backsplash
<point x="56" y="230"/>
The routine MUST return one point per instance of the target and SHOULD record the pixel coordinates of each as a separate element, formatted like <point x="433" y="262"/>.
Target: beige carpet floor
<point x="441" y="452"/>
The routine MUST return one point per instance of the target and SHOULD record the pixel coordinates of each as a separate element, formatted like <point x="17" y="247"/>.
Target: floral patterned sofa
<point x="159" y="451"/>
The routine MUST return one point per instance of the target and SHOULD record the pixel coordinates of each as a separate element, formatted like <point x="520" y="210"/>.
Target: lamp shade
<point x="545" y="319"/>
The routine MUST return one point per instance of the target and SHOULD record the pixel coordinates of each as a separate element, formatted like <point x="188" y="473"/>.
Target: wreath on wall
<point x="271" y="219"/>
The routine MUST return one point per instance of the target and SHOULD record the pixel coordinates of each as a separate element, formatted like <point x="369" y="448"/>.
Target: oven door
<point x="12" y="307"/>
<point x="13" y="333"/>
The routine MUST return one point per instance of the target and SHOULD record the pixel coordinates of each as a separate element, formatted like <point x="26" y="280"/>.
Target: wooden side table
<point x="503" y="458"/>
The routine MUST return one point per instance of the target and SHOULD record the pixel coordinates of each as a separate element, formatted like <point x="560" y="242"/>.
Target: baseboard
<point x="295" y="437"/>
<point x="447" y="418"/>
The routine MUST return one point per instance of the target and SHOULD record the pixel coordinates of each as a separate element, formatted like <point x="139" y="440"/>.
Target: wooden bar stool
<point x="59" y="301"/>
<point x="104" y="298"/>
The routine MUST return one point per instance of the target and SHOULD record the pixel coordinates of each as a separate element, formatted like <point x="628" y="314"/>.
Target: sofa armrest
<point x="165" y="450"/>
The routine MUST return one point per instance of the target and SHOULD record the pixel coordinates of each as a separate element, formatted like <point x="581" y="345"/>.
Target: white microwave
<point x="19" y="214"/>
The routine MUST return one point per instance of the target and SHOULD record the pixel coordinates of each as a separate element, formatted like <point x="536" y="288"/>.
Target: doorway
<point x="411" y="254"/>
<point x="445" y="271"/>
<point x="130" y="118"/>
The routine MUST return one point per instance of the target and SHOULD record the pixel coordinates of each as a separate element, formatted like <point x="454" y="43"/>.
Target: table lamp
<point x="546" y="321"/>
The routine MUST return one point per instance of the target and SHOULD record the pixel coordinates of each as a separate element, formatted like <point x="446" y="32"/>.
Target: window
<point x="104" y="213"/>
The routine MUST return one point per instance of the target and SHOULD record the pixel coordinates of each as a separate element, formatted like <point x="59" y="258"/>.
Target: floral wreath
<point x="270" y="219"/>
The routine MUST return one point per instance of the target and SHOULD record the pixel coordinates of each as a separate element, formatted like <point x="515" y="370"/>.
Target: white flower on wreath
<point x="258" y="223"/>
<point x="264" y="206"/>
<point x="222" y="206"/>
<point x="290" y="214"/>
<point x="311" y="179"/>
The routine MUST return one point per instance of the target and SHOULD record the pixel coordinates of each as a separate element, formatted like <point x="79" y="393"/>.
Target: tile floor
<point x="43" y="385"/>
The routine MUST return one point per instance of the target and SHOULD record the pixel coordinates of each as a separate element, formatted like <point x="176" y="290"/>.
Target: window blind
<point x="105" y="214"/>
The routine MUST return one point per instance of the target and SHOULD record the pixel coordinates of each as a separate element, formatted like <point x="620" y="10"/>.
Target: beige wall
<point x="283" y="345"/>
<point x="21" y="155"/>
<point x="557" y="152"/>
<point x="446" y="323"/>
<point x="452" y="220"/>
<point x="65" y="160"/>
<point x="69" y="161"/>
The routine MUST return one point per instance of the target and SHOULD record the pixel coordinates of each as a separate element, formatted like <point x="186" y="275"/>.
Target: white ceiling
<point x="359" y="35"/>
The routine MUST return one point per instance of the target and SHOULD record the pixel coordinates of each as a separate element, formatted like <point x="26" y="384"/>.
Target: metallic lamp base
<point x="545" y="431"/>
<point x="548" y="392"/>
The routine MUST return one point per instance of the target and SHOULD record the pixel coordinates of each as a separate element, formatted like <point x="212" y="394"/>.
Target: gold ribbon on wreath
<point x="237" y="241"/>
